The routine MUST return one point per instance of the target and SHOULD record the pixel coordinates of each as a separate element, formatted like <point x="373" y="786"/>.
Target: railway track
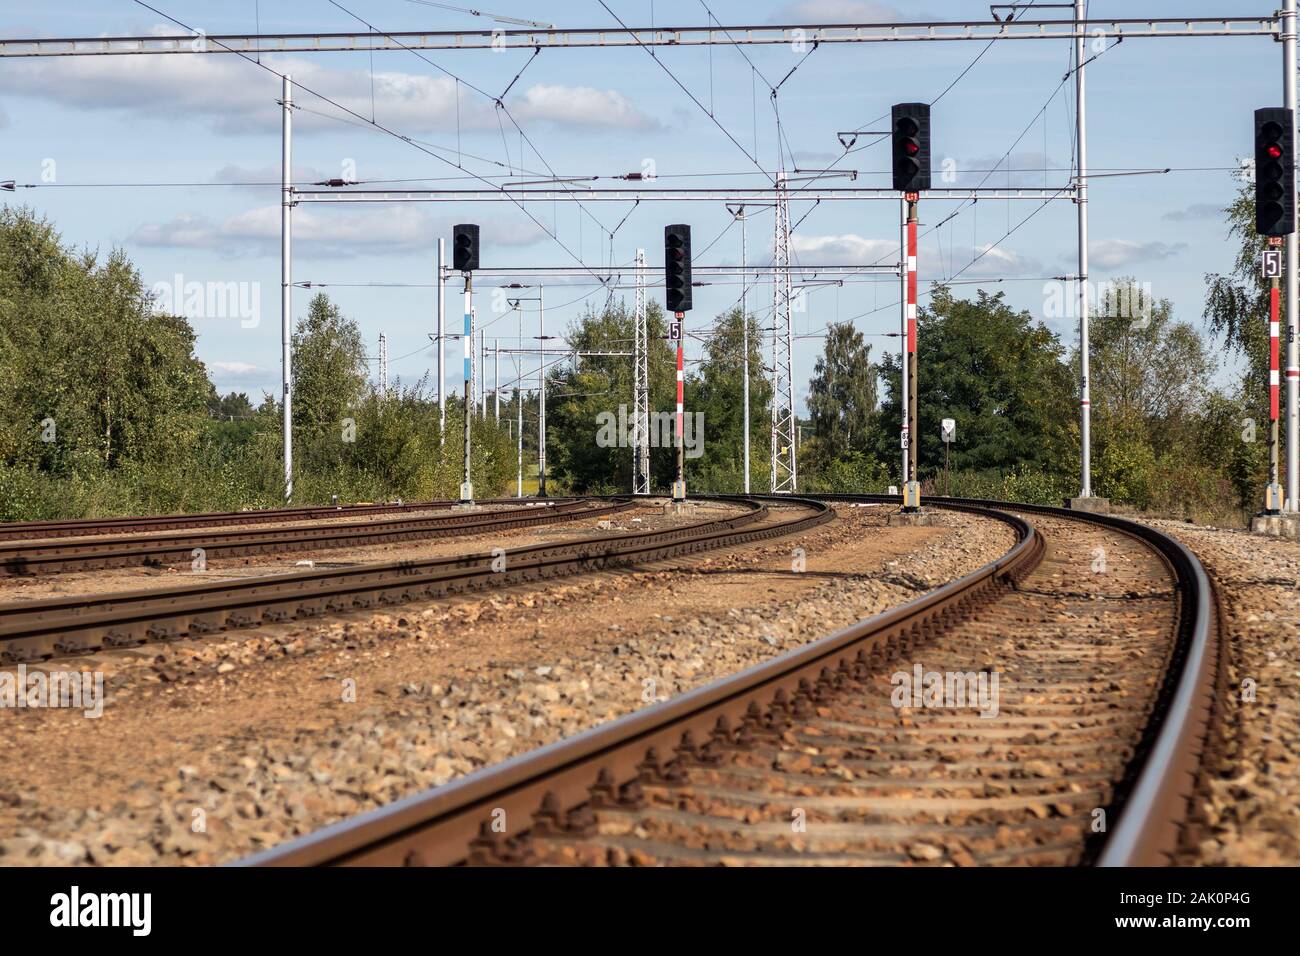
<point x="156" y="550"/>
<point x="85" y="527"/>
<point x="1102" y="633"/>
<point x="62" y="626"/>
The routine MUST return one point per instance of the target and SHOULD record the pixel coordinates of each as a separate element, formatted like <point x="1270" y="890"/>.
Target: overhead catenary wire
<point x="500" y="107"/>
<point x="372" y="122"/>
<point x="376" y="125"/>
<point x="726" y="132"/>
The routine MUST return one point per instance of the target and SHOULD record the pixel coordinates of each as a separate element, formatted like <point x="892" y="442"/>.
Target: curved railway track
<point x="23" y="558"/>
<point x="85" y="527"/>
<point x="60" y="626"/>
<point x="1092" y="756"/>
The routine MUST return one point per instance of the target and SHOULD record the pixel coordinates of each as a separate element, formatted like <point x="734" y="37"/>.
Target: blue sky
<point x="213" y="120"/>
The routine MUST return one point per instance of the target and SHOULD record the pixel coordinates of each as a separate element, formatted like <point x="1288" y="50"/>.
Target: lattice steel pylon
<point x="785" y="469"/>
<point x="641" y="387"/>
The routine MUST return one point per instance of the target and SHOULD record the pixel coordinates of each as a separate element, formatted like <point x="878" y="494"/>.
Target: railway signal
<point x="1275" y="217"/>
<point x="464" y="258"/>
<point x="464" y="247"/>
<point x="910" y="132"/>
<point x="677" y="276"/>
<point x="677" y="267"/>
<point x="911" y="135"/>
<point x="1274" y="171"/>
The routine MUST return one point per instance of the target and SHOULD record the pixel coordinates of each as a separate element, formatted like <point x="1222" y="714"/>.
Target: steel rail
<point x="1158" y="816"/>
<point x="86" y="527"/>
<point x="24" y="558"/>
<point x="60" y="626"/>
<point x="547" y="788"/>
<point x="452" y="824"/>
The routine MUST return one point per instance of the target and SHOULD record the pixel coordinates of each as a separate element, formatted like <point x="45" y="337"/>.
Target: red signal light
<point x="912" y="148"/>
<point x="1275" y="150"/>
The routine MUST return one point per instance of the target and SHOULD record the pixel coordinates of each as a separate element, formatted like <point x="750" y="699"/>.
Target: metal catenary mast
<point x="641" y="387"/>
<point x="784" y="467"/>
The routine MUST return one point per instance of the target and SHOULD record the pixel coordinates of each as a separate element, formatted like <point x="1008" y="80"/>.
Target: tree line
<point x="107" y="409"/>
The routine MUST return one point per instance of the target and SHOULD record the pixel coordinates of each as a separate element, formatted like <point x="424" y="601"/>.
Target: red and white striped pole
<point x="911" y="487"/>
<point x="1273" y="494"/>
<point x="1274" y="351"/>
<point x="679" y="486"/>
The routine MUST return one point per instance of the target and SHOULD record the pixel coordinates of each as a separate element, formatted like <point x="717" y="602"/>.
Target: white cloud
<point x="356" y="231"/>
<point x="1199" y="210"/>
<point x="993" y="261"/>
<point x="580" y="106"/>
<point x="1019" y="170"/>
<point x="234" y="96"/>
<point x="182" y="230"/>
<point x="241" y="371"/>
<point x="839" y="11"/>
<point x="848" y="249"/>
<point x="1119" y="253"/>
<point x="808" y="158"/>
<point x="854" y="250"/>
<point x="250" y="176"/>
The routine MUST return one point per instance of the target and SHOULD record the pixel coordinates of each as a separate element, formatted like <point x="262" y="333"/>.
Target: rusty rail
<point x="549" y="790"/>
<point x="86" y="527"/>
<point x="1159" y="817"/>
<point x="453" y="824"/>
<point x="78" y="527"/>
<point x="23" y="558"/>
<point x="60" y="626"/>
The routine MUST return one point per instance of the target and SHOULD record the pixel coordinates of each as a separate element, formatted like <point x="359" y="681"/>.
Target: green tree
<point x="716" y="390"/>
<point x="999" y="374"/>
<point x="91" y="376"/>
<point x="1146" y="365"/>
<point x="584" y="453"/>
<point x="329" y="374"/>
<point x="1237" y="303"/>
<point x="230" y="406"/>
<point x="1150" y="377"/>
<point x="842" y="395"/>
<point x="1237" y="308"/>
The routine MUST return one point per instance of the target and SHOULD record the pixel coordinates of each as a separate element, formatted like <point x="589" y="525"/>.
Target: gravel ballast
<point x="211" y="750"/>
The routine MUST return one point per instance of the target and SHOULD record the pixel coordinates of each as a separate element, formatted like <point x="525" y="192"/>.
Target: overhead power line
<point x="382" y="128"/>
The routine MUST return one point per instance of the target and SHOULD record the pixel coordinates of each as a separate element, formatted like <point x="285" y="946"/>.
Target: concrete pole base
<point x="921" y="519"/>
<point x="1277" y="526"/>
<point x="466" y="498"/>
<point x="1091" y="503"/>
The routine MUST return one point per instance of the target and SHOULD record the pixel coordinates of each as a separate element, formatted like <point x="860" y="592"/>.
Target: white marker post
<point x="948" y="433"/>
